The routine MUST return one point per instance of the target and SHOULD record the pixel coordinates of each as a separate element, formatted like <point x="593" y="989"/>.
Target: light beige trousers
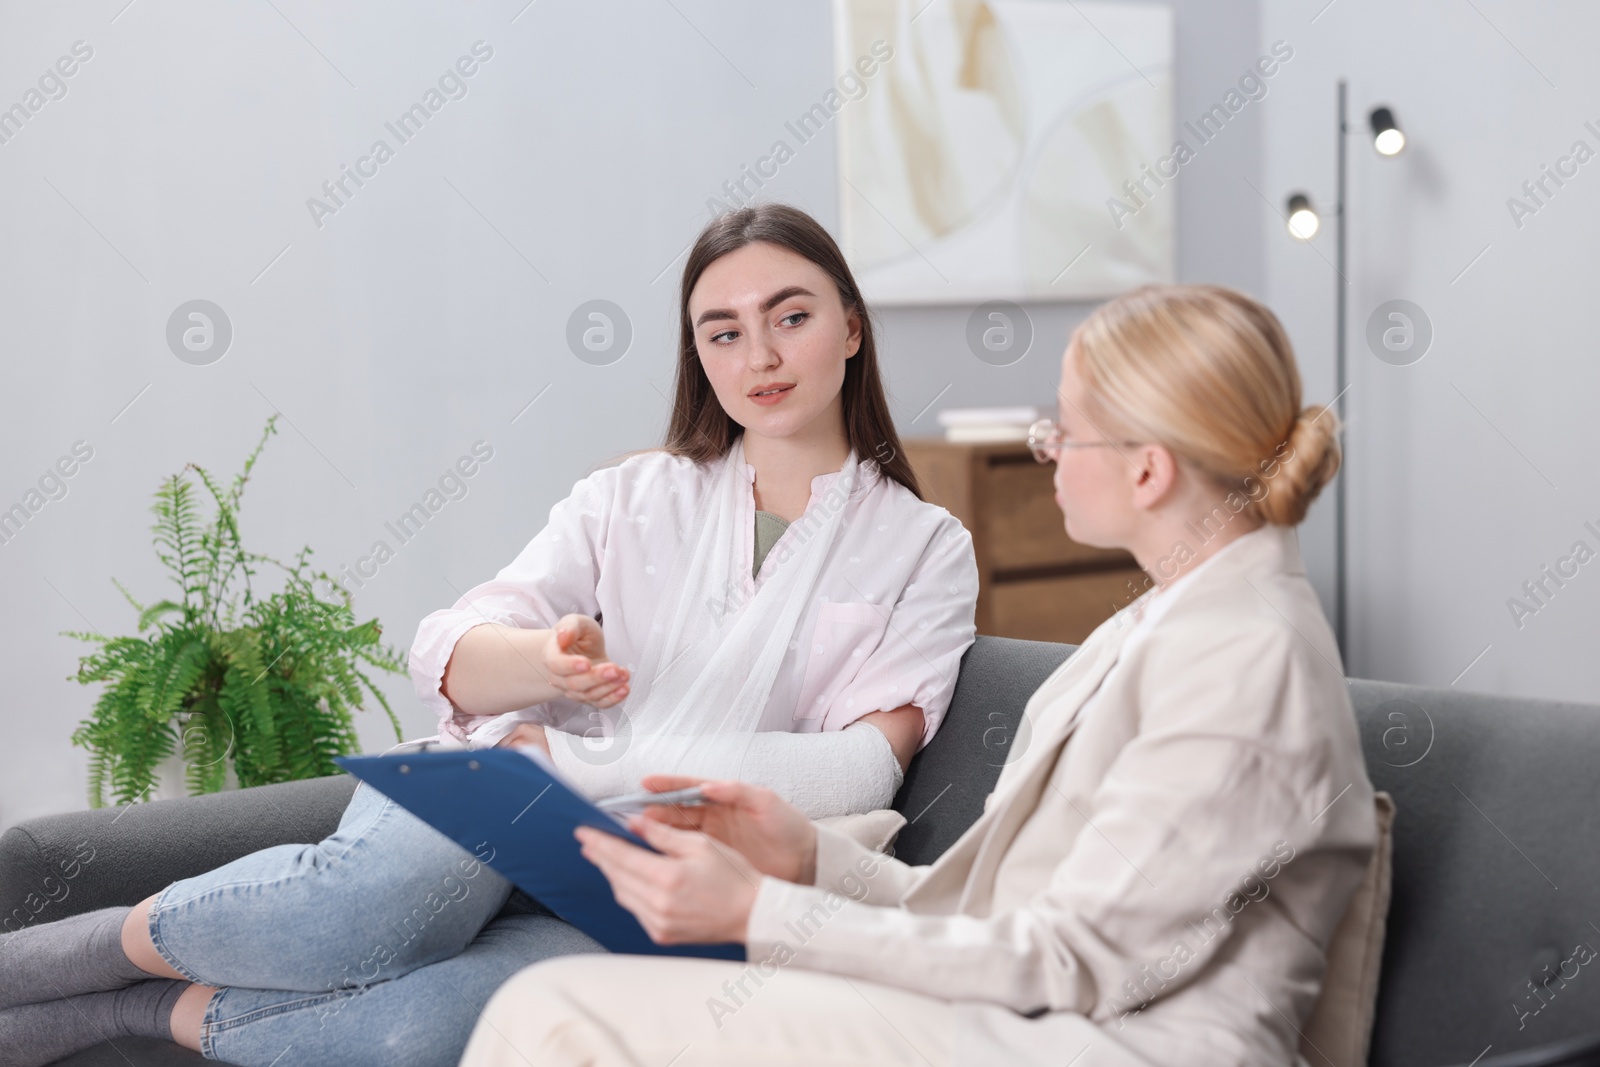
<point x="651" y="1011"/>
<point x="656" y="1011"/>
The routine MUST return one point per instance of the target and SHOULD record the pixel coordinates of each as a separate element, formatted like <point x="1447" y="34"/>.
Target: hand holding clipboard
<point x="519" y="818"/>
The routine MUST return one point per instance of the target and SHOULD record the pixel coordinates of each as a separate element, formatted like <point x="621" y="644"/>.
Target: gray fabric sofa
<point x="1495" y="861"/>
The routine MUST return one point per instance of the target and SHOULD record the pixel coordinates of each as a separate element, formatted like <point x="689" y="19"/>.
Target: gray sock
<point x="33" y="1035"/>
<point x="79" y="954"/>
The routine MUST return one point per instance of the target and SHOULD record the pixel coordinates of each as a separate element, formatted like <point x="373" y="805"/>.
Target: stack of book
<point x="983" y="425"/>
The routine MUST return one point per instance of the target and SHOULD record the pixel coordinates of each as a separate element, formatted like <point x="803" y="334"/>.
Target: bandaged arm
<point x="836" y="772"/>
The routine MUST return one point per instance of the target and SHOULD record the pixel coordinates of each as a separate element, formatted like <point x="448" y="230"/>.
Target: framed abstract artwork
<point x="1005" y="149"/>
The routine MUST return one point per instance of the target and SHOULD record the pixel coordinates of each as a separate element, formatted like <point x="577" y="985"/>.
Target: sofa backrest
<point x="1496" y="899"/>
<point x="1496" y="886"/>
<point x="947" y="781"/>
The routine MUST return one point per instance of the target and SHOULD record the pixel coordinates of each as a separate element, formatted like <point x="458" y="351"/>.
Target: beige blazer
<point x="1169" y="860"/>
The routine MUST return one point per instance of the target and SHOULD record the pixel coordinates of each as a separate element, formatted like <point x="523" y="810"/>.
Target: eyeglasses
<point x="1046" y="441"/>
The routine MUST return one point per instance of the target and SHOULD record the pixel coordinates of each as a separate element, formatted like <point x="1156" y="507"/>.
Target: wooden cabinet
<point x="1034" y="581"/>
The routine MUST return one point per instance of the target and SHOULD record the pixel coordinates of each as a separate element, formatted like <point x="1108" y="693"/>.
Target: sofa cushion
<point x="1340" y="1027"/>
<point x="135" y="1052"/>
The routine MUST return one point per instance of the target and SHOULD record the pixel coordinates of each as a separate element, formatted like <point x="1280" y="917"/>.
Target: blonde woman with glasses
<point x="1198" y="752"/>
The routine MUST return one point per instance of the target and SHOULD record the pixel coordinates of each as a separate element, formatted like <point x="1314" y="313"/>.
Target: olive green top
<point x="768" y="529"/>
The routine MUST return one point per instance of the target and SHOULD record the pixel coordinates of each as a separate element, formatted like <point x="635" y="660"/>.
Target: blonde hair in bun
<point x="1209" y="373"/>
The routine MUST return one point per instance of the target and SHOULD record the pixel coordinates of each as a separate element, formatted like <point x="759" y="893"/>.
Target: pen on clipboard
<point x="691" y="797"/>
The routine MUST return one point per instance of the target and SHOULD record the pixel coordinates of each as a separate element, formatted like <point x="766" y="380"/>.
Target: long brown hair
<point x="700" y="429"/>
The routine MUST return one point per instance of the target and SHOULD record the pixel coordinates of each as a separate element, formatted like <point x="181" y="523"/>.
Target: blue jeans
<point x="379" y="944"/>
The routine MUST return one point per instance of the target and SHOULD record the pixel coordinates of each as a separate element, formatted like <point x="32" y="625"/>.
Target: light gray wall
<point x="429" y="310"/>
<point x="1473" y="467"/>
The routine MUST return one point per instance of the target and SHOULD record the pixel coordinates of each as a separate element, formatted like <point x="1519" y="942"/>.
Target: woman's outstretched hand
<point x="575" y="663"/>
<point x="763" y="827"/>
<point x="693" y="889"/>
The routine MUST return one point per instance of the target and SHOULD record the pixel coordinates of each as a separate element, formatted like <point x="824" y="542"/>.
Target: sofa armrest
<point x="62" y="865"/>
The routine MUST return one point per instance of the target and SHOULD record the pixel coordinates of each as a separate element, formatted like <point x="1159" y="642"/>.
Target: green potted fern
<point x="231" y="678"/>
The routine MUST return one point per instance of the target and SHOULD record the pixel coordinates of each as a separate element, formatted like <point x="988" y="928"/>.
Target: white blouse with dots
<point x="891" y="615"/>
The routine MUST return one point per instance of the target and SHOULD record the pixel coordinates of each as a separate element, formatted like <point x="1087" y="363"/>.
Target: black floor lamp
<point x="1303" y="222"/>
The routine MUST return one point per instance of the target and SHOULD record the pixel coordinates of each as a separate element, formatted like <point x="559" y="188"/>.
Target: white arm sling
<point x="705" y="675"/>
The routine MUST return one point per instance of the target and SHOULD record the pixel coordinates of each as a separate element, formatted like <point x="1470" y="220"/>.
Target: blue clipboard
<point x="514" y="816"/>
